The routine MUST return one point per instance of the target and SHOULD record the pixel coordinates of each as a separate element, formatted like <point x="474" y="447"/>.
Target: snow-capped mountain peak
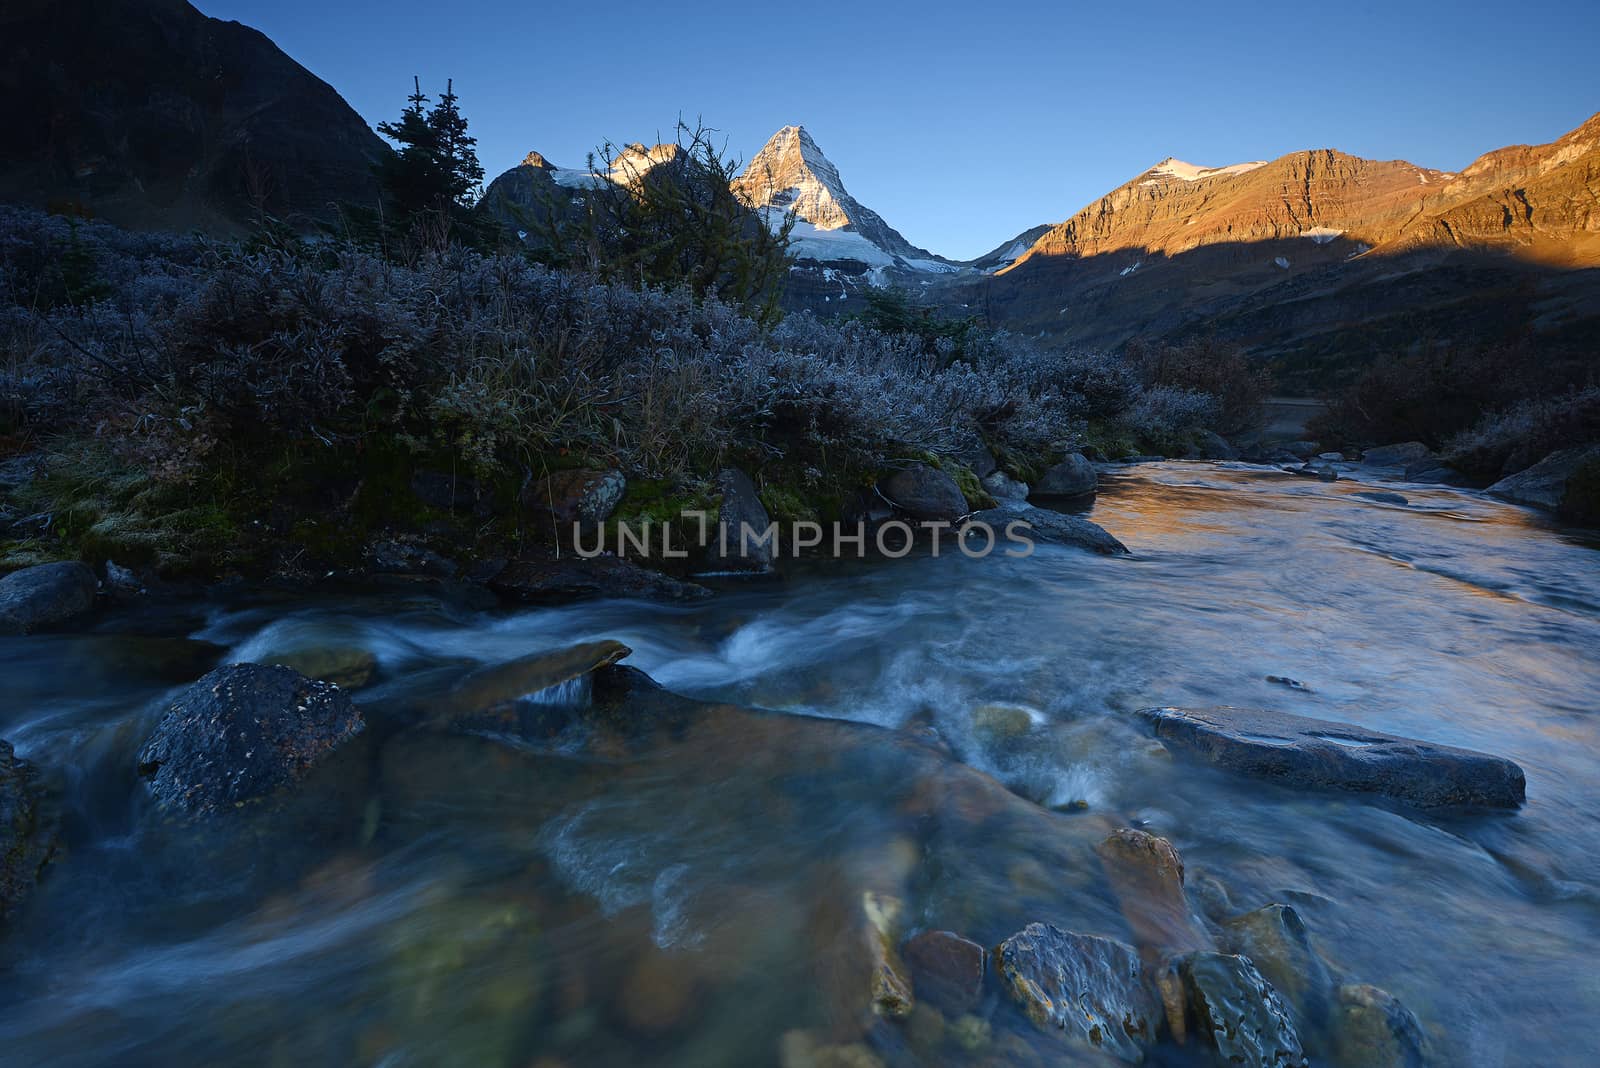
<point x="792" y="176"/>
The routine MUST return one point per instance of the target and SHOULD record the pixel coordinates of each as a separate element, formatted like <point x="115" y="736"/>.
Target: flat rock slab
<point x="1320" y="753"/>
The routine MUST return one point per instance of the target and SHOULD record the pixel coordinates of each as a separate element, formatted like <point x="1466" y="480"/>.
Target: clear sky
<point x="965" y="123"/>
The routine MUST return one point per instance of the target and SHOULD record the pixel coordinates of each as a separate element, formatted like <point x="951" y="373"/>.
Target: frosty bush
<point x="194" y="361"/>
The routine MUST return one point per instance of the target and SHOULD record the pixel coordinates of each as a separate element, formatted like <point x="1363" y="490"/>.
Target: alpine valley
<point x="1310" y="261"/>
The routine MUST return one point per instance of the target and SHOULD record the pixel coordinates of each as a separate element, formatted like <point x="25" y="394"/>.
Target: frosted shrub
<point x="183" y="353"/>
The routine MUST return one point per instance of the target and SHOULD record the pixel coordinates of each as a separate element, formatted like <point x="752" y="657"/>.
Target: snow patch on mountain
<point x="1188" y="172"/>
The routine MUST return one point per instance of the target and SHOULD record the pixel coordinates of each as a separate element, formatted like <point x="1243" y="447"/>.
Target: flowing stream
<point x="479" y="901"/>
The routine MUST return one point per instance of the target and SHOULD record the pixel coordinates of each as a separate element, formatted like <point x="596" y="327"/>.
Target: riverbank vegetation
<point x="206" y="404"/>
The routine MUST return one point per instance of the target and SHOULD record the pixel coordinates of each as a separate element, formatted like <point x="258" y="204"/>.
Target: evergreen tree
<point x="433" y="177"/>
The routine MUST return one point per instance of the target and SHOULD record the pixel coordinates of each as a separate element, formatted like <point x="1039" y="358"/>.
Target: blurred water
<point x="469" y="901"/>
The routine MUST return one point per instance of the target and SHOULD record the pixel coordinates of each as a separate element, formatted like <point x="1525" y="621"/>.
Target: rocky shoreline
<point x="1184" y="966"/>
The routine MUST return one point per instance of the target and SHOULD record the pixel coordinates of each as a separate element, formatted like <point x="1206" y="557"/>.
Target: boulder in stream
<point x="1278" y="944"/>
<point x="242" y="732"/>
<point x="1074" y="476"/>
<point x="1548" y="484"/>
<point x="1090" y="987"/>
<point x="1045" y="525"/>
<point x="1239" y="1012"/>
<point x="44" y="596"/>
<point x="1400" y="455"/>
<point x="925" y="493"/>
<point x="1300" y="751"/>
<point x="947" y="969"/>
<point x="27" y="833"/>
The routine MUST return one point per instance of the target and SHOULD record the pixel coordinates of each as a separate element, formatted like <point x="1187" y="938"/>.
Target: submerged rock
<point x="997" y="722"/>
<point x="947" y="969"/>
<point x="558" y="580"/>
<point x="925" y="493"/>
<point x="1074" y="476"/>
<point x="44" y="596"/>
<point x="242" y="732"/>
<point x="27" y="833"/>
<point x="1373" y="1029"/>
<point x="1092" y="988"/>
<point x="1277" y="942"/>
<point x="349" y="667"/>
<point x="1382" y="497"/>
<point x="1300" y="751"/>
<point x="1146" y="875"/>
<point x="1044" y="525"/>
<point x="1238" y="1011"/>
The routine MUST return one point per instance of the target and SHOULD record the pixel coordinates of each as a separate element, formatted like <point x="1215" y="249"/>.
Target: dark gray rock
<point x="1432" y="470"/>
<point x="27" y="831"/>
<point x="1321" y="470"/>
<point x="1073" y="477"/>
<point x="1092" y="988"/>
<point x="1401" y="455"/>
<point x="450" y="491"/>
<point x="558" y="580"/>
<point x="1300" y="751"/>
<point x="1382" y="497"/>
<point x="925" y="493"/>
<point x="1276" y="941"/>
<point x="395" y="557"/>
<point x="563" y="498"/>
<point x="44" y="596"/>
<point x="1544" y="485"/>
<point x="741" y="510"/>
<point x="1238" y="1011"/>
<point x="1300" y="450"/>
<point x="241" y="733"/>
<point x="1003" y="487"/>
<point x="1209" y="445"/>
<point x="1372" y="1029"/>
<point x="1044" y="525"/>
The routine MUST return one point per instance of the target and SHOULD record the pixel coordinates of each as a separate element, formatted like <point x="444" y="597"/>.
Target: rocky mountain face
<point x="1317" y="260"/>
<point x="151" y="115"/>
<point x="839" y="244"/>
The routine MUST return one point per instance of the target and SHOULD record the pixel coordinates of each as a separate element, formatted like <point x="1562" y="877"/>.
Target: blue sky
<point x="965" y="123"/>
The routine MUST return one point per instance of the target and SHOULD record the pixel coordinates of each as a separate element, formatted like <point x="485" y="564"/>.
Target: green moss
<point x="1110" y="440"/>
<point x="971" y="486"/>
<point x="654" y="503"/>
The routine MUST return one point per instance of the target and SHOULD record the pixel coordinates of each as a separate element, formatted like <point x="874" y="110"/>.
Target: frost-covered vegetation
<point x="1492" y="408"/>
<point x="199" y="396"/>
